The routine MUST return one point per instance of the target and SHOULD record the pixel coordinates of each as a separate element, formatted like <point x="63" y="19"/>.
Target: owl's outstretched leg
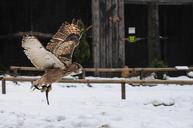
<point x="48" y="89"/>
<point x="44" y="88"/>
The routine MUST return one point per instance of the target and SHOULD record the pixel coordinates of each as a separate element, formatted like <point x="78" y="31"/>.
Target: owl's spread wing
<point x="38" y="55"/>
<point x="65" y="40"/>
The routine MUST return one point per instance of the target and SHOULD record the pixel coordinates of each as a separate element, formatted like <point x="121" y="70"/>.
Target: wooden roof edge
<point x="161" y="2"/>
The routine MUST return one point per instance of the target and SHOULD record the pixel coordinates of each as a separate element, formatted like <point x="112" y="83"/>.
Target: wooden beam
<point x="24" y="68"/>
<point x="96" y="33"/>
<point x="160" y="2"/>
<point x="154" y="51"/>
<point x="123" y="82"/>
<point x="20" y="34"/>
<point x="169" y="69"/>
<point x="143" y="82"/>
<point x="121" y="33"/>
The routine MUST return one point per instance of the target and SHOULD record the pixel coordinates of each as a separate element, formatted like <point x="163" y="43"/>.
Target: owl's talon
<point x="49" y="88"/>
<point x="44" y="88"/>
<point x="36" y="87"/>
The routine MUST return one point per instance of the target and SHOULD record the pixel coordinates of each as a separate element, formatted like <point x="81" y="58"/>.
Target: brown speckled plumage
<point x="56" y="58"/>
<point x="61" y="44"/>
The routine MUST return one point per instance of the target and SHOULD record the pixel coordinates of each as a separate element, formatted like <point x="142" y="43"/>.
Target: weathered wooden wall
<point x="161" y="2"/>
<point x="175" y="28"/>
<point x="154" y="51"/>
<point x="108" y="29"/>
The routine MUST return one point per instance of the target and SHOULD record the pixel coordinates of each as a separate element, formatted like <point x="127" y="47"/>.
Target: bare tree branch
<point x="19" y="34"/>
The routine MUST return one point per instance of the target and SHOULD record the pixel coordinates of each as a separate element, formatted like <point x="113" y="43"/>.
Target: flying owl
<point x="56" y="58"/>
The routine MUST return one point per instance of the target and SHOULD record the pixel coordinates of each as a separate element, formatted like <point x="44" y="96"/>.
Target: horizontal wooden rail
<point x="136" y="69"/>
<point x="125" y="72"/>
<point x="24" y="68"/>
<point x="107" y="81"/>
<point x="180" y="82"/>
<point x="110" y="69"/>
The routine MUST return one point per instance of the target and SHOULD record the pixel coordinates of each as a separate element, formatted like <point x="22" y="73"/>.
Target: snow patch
<point x="80" y="106"/>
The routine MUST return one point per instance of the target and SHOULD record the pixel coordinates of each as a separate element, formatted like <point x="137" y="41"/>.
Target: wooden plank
<point x="121" y="30"/>
<point x="95" y="33"/>
<point x="154" y="51"/>
<point x="20" y="34"/>
<point x="103" y="33"/>
<point x="109" y="49"/>
<point x="144" y="82"/>
<point x="115" y="32"/>
<point x="161" y="2"/>
<point x="24" y="68"/>
<point x="110" y="69"/>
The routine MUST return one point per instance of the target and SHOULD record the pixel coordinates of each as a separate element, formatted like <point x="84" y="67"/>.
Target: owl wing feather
<point x="65" y="40"/>
<point x="57" y="57"/>
<point x="38" y="55"/>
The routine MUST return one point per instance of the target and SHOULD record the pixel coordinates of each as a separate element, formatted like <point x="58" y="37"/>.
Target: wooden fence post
<point x="83" y="74"/>
<point x="3" y="86"/>
<point x="123" y="91"/>
<point x="15" y="72"/>
<point x="141" y="75"/>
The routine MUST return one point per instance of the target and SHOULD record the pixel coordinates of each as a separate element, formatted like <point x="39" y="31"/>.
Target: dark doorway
<point x="176" y="34"/>
<point x="176" y="26"/>
<point x="136" y="53"/>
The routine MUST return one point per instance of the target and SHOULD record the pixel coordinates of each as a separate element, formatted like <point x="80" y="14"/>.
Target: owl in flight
<point x="56" y="58"/>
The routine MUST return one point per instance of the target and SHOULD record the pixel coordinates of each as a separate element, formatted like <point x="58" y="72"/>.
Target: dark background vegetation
<point x="44" y="16"/>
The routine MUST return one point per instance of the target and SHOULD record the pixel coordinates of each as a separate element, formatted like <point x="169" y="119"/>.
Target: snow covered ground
<point x="100" y="106"/>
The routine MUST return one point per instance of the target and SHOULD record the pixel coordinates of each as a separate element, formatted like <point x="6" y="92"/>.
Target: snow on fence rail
<point x="122" y="82"/>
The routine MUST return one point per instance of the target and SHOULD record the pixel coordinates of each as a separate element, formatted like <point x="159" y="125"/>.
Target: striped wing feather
<point x="65" y="40"/>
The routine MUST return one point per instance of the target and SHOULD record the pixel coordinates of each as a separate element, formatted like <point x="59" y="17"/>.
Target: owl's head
<point x="70" y="30"/>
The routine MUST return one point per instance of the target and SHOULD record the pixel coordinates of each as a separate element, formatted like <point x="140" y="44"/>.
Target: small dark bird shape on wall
<point x="56" y="58"/>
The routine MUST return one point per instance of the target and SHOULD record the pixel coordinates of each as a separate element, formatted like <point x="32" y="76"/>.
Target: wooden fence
<point x="122" y="82"/>
<point x="132" y="71"/>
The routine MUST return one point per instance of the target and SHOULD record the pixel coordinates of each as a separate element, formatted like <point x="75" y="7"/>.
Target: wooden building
<point x="173" y="29"/>
<point x="164" y="29"/>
